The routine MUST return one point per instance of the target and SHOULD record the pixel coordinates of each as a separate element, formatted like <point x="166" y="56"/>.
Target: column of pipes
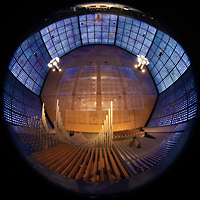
<point x="61" y="133"/>
<point x="106" y="132"/>
<point x="34" y="134"/>
<point x="58" y="123"/>
<point x="50" y="138"/>
<point x="44" y="121"/>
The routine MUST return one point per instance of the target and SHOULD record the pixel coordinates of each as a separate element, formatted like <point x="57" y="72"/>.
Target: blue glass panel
<point x="16" y="69"/>
<point x="179" y="49"/>
<point x="186" y="60"/>
<point x="136" y="22"/>
<point x="58" y="46"/>
<point x="44" y="31"/>
<point x="165" y="37"/>
<point x="63" y="37"/>
<point x="100" y="31"/>
<point x="159" y="34"/>
<point x="172" y="43"/>
<point x="192" y="97"/>
<point x="29" y="83"/>
<point x="120" y="31"/>
<point x="90" y="29"/>
<point x="46" y="37"/>
<point x="129" y="20"/>
<point x="138" y="44"/>
<point x="192" y="111"/>
<point x="135" y="29"/>
<point x="22" y="76"/>
<point x="140" y="38"/>
<point x="152" y="30"/>
<point x="147" y="43"/>
<point x="125" y="39"/>
<point x="168" y="81"/>
<point x="174" y="74"/>
<point x="161" y="87"/>
<point x="135" y="51"/>
<point x="22" y="60"/>
<point x="165" y="121"/>
<point x="175" y="57"/>
<point x="157" y="78"/>
<point x="113" y="17"/>
<point x="144" y="25"/>
<point x="163" y="72"/>
<point x="24" y="45"/>
<point x="180" y="117"/>
<point x="181" y="66"/>
<point x="121" y="18"/>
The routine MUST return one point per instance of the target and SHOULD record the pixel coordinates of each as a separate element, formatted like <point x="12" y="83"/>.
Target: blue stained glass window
<point x="192" y="97"/>
<point x="22" y="76"/>
<point x="172" y="42"/>
<point x="158" y="78"/>
<point x="181" y="66"/>
<point x="180" y="117"/>
<point x="16" y="69"/>
<point x="168" y="81"/>
<point x="180" y="104"/>
<point x="178" y="101"/>
<point x="14" y="108"/>
<point x="165" y="121"/>
<point x="61" y="36"/>
<point x="185" y="58"/>
<point x="163" y="72"/>
<point x="161" y="87"/>
<point x="133" y="32"/>
<point x="31" y="54"/>
<point x="98" y="32"/>
<point x="166" y="50"/>
<point x="192" y="111"/>
<point x="174" y="74"/>
<point x="122" y="18"/>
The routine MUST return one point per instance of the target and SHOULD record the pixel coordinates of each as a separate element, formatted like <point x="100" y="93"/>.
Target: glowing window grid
<point x="178" y="103"/>
<point x="168" y="61"/>
<point x="29" y="63"/>
<point x="134" y="36"/>
<point x="98" y="32"/>
<point x="61" y="37"/>
<point x="19" y="103"/>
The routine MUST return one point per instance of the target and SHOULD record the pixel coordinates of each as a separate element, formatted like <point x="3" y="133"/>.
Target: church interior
<point x="100" y="99"/>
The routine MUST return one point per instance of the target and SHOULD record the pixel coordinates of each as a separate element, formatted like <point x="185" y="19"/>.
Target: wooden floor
<point x="87" y="164"/>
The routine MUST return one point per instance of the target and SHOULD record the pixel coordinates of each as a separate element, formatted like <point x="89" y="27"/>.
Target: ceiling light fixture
<point x="54" y="64"/>
<point x="142" y="61"/>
